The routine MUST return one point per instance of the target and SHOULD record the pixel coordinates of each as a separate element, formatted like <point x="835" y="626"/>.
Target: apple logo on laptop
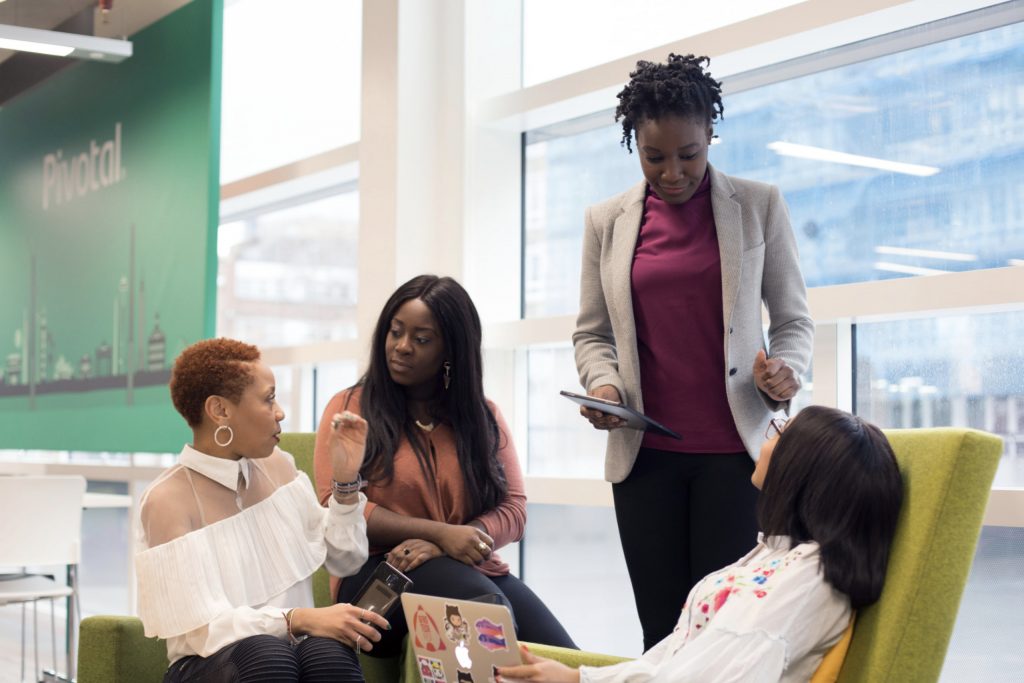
<point x="462" y="655"/>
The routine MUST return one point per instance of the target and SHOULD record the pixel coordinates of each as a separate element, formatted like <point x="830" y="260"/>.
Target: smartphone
<point x="380" y="592"/>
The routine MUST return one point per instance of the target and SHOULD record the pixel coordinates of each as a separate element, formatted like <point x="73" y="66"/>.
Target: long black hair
<point x="680" y="87"/>
<point x="463" y="405"/>
<point x="833" y="479"/>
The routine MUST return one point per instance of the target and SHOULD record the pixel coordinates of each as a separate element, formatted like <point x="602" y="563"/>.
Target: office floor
<point x="10" y="641"/>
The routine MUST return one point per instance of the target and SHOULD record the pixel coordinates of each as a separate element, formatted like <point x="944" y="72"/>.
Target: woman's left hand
<point x="413" y="552"/>
<point x="775" y="378"/>
<point x="538" y="670"/>
<point x="347" y="445"/>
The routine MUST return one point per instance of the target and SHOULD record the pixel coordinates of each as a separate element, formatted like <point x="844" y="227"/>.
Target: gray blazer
<point x="759" y="264"/>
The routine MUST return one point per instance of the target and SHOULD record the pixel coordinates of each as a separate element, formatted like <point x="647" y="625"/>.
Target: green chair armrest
<point x="114" y="649"/>
<point x="574" y="658"/>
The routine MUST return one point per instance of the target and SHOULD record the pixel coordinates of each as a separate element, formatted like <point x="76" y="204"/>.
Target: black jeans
<point x="681" y="516"/>
<point x="266" y="659"/>
<point x="445" y="577"/>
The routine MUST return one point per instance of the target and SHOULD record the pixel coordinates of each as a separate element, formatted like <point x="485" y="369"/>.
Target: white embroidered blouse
<point x="226" y="547"/>
<point x="771" y="616"/>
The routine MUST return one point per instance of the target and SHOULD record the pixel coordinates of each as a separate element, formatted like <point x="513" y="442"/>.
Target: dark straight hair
<point x="462" y="405"/>
<point x="833" y="479"/>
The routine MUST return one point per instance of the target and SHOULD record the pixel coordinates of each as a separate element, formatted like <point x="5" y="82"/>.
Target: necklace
<point x="429" y="427"/>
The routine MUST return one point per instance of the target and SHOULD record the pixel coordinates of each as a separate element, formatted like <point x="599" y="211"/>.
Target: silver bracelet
<point x="344" y="489"/>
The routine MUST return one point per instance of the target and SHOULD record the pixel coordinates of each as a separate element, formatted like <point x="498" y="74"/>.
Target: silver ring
<point x="362" y="615"/>
<point x="358" y="636"/>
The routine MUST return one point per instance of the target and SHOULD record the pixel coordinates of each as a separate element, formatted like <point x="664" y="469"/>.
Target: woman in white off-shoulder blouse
<point x="830" y="496"/>
<point x="230" y="537"/>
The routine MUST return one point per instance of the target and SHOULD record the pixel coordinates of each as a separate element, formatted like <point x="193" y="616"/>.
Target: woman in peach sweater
<point x="444" y="485"/>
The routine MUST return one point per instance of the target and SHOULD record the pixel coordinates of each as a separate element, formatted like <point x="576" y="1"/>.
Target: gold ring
<point x="481" y="545"/>
<point x="405" y="552"/>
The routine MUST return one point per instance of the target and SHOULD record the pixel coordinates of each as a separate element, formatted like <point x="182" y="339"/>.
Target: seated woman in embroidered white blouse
<point x="231" y="535"/>
<point x="830" y="497"/>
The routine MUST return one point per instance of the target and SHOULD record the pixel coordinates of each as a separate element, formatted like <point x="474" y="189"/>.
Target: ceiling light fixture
<point x="909" y="270"/>
<point x="62" y="44"/>
<point x="790" y="149"/>
<point x="926" y="253"/>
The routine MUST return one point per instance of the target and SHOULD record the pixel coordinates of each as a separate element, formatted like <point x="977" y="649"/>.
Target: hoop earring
<point x="447" y="374"/>
<point x="231" y="436"/>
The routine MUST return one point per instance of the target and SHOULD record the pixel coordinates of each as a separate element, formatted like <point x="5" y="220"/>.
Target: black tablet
<point x="634" y="420"/>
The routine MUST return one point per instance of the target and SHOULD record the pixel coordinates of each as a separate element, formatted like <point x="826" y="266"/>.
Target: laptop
<point x="459" y="641"/>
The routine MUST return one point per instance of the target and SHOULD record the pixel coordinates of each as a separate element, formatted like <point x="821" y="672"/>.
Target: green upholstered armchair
<point x="947" y="476"/>
<point x="113" y="649"/>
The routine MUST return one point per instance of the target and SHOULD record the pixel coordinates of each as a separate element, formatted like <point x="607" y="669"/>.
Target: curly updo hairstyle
<point x="212" y="367"/>
<point x="680" y="87"/>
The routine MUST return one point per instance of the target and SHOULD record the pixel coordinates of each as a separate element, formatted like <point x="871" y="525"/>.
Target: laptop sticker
<point x="455" y="627"/>
<point x="464" y="676"/>
<point x="490" y="635"/>
<point x="427" y="635"/>
<point x="431" y="670"/>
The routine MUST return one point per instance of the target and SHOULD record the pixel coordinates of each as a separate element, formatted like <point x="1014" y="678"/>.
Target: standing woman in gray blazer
<point x="675" y="272"/>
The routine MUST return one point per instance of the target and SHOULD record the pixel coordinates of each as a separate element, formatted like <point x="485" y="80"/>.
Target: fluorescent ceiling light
<point x="41" y="48"/>
<point x="790" y="149"/>
<point x="926" y="253"/>
<point x="64" y="44"/>
<point x="909" y="270"/>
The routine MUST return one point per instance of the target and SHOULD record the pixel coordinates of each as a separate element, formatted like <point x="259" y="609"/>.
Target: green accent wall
<point x="109" y="193"/>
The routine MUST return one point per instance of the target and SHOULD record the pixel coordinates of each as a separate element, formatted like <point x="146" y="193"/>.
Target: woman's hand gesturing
<point x="347" y="445"/>
<point x="775" y="378"/>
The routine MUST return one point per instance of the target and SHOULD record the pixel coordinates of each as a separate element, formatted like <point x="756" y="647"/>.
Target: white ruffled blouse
<point x="222" y="556"/>
<point x="769" y="617"/>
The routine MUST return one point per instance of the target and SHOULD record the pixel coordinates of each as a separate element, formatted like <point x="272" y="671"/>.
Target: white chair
<point x="42" y="526"/>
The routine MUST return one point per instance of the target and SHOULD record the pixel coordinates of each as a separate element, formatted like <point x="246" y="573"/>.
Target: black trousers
<point x="266" y="659"/>
<point x="445" y="577"/>
<point x="681" y="516"/>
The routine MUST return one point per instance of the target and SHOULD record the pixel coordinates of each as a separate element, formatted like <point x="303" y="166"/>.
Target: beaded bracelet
<point x="344" y="489"/>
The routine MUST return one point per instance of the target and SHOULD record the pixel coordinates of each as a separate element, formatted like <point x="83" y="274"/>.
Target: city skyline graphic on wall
<point x="130" y="359"/>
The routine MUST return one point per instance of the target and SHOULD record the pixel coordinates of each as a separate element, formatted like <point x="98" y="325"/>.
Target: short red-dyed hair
<point x="212" y="367"/>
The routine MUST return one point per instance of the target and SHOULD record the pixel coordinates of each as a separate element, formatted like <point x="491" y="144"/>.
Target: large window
<point x="962" y="371"/>
<point x="561" y="442"/>
<point x="906" y="164"/>
<point x="291" y="81"/>
<point x="287" y="275"/>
